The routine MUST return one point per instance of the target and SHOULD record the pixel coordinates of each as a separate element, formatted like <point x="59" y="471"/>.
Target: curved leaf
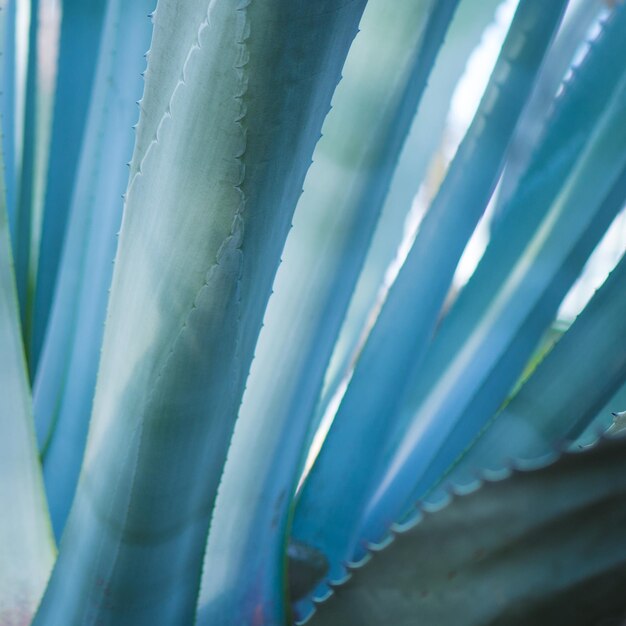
<point x="566" y="390"/>
<point x="571" y="37"/>
<point x="343" y="195"/>
<point x="422" y="141"/>
<point x="25" y="191"/>
<point x="7" y="104"/>
<point x="205" y="219"/>
<point x="487" y="362"/>
<point x="329" y="511"/>
<point x="79" y="42"/>
<point x="65" y="382"/>
<point x="541" y="547"/>
<point x="26" y="544"/>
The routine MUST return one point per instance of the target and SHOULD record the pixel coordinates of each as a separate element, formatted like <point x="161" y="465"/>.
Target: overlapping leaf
<point x="541" y="547"/>
<point x="81" y="28"/>
<point x="383" y="78"/>
<point x="488" y="359"/>
<point x="65" y="383"/>
<point x="330" y="507"/>
<point x="26" y="544"/>
<point x="207" y="211"/>
<point x="566" y="390"/>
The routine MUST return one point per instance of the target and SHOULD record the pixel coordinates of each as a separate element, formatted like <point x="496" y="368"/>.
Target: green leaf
<point x="26" y="544"/>
<point x="541" y="547"/>
<point x="206" y="215"/>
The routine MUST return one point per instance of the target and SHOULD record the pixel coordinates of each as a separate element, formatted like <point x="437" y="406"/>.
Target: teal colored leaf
<point x="174" y="33"/>
<point x="540" y="547"/>
<point x="382" y="81"/>
<point x="488" y="360"/>
<point x="422" y="142"/>
<point x="570" y="39"/>
<point x="81" y="28"/>
<point x="566" y="390"/>
<point x="329" y="511"/>
<point x="25" y="192"/>
<point x="26" y="543"/>
<point x="7" y="104"/>
<point x="65" y="382"/>
<point x="205" y="219"/>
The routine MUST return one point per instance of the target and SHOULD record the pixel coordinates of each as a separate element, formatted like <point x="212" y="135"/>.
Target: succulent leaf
<point x="205" y="218"/>
<point x="80" y="38"/>
<point x="64" y="385"/>
<point x="328" y="512"/>
<point x="576" y="378"/>
<point x="311" y="294"/>
<point x="539" y="547"/>
<point x="26" y="545"/>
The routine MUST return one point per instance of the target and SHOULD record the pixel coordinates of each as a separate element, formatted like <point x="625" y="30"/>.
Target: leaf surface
<point x="486" y="363"/>
<point x="565" y="392"/>
<point x="206" y="215"/>
<point x="80" y="38"/>
<point x="26" y="543"/>
<point x="65" y="382"/>
<point x="540" y="547"/>
<point x="329" y="511"/>
<point x="343" y="194"/>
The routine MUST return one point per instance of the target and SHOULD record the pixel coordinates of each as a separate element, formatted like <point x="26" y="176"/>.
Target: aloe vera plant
<point x="199" y="433"/>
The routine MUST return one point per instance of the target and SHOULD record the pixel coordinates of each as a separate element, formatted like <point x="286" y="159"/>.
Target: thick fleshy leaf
<point x="488" y="360"/>
<point x="80" y="39"/>
<point x="565" y="392"/>
<point x="26" y="544"/>
<point x="422" y="142"/>
<point x="329" y="511"/>
<point x="571" y="38"/>
<point x="65" y="383"/>
<point x="541" y="547"/>
<point x="206" y="216"/>
<point x="343" y="194"/>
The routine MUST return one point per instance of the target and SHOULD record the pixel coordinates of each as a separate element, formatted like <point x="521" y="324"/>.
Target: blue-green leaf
<point x="422" y="142"/>
<point x="382" y="81"/>
<point x="487" y="361"/>
<point x="206" y="215"/>
<point x="571" y="37"/>
<point x="604" y="418"/>
<point x="25" y="192"/>
<point x="329" y="510"/>
<point x="541" y="547"/>
<point x="7" y="103"/>
<point x="65" y="383"/>
<point x="566" y="390"/>
<point x="81" y="27"/>
<point x="26" y="544"/>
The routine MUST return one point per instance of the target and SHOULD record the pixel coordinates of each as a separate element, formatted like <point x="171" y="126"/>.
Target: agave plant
<point x="373" y="443"/>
